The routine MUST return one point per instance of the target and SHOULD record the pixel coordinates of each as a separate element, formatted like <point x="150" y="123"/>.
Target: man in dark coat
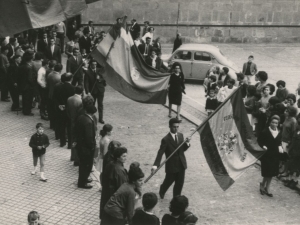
<point x="53" y="51"/>
<point x="176" y="165"/>
<point x="43" y="43"/>
<point x="13" y="82"/>
<point x="177" y="42"/>
<point x="94" y="85"/>
<point x="85" y="41"/>
<point x="27" y="82"/>
<point x="60" y="96"/>
<point x="85" y="143"/>
<point x="11" y="48"/>
<point x="74" y="64"/>
<point x="4" y="64"/>
<point x="135" y="29"/>
<point x="145" y="29"/>
<point x="145" y="48"/>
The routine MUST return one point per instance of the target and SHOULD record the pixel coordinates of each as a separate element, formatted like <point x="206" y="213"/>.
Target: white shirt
<point x="173" y="135"/>
<point x="228" y="91"/>
<point x="273" y="132"/>
<point x="41" y="79"/>
<point x="153" y="62"/>
<point x="52" y="49"/>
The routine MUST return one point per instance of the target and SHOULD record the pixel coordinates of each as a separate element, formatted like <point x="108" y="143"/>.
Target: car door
<point x="201" y="63"/>
<point x="184" y="58"/>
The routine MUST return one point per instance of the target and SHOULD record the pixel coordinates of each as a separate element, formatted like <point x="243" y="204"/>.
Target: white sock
<point x="42" y="175"/>
<point x="34" y="168"/>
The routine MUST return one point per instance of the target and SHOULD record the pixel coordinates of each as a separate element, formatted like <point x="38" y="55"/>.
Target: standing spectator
<point x="262" y="77"/>
<point x="291" y="99"/>
<point x="146" y="26"/>
<point x="85" y="143"/>
<point x="27" y="82"/>
<point x="74" y="105"/>
<point x="281" y="91"/>
<point x="120" y="207"/>
<point x="135" y="29"/>
<point x="145" y="48"/>
<point x="95" y="85"/>
<point x="33" y="218"/>
<point x="178" y="205"/>
<point x="32" y="37"/>
<point x="52" y="80"/>
<point x="114" y="175"/>
<point x="160" y="64"/>
<point x="229" y="88"/>
<point x="43" y="43"/>
<point x="13" y="43"/>
<point x="212" y="85"/>
<point x="149" y="34"/>
<point x="294" y="154"/>
<point x="61" y="94"/>
<point x="4" y="64"/>
<point x="241" y="79"/>
<point x="288" y="127"/>
<point x="270" y="140"/>
<point x="109" y="156"/>
<point x="56" y="39"/>
<point x="53" y="51"/>
<point x="85" y="41"/>
<point x="151" y="59"/>
<point x="211" y="102"/>
<point x="73" y="43"/>
<point x="250" y="104"/>
<point x="146" y="215"/>
<point x="42" y="86"/>
<point x="61" y="30"/>
<point x="72" y="28"/>
<point x="177" y="42"/>
<point x="263" y="108"/>
<point x="157" y="45"/>
<point x="74" y="66"/>
<point x="219" y="91"/>
<point x="176" y="88"/>
<point x="91" y="28"/>
<point x="105" y="133"/>
<point x="13" y="82"/>
<point x="175" y="166"/>
<point x="249" y="68"/>
<point x="223" y="75"/>
<point x="39" y="142"/>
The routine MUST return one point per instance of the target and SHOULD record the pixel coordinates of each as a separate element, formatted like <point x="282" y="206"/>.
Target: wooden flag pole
<point x="198" y="128"/>
<point x="178" y="17"/>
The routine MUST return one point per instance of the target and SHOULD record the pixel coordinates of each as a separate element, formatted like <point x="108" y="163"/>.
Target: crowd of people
<point x="273" y="115"/>
<point x="31" y="66"/>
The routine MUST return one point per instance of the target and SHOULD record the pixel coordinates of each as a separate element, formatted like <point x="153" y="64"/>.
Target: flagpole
<point x="198" y="128"/>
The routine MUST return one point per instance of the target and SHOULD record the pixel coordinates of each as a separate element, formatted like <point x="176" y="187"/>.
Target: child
<point x="229" y="88"/>
<point x="219" y="91"/>
<point x="211" y="84"/>
<point x="211" y="102"/>
<point x="187" y="218"/>
<point x="281" y="92"/>
<point x="33" y="218"/>
<point x="178" y="205"/>
<point x="206" y="82"/>
<point x="145" y="215"/>
<point x="39" y="142"/>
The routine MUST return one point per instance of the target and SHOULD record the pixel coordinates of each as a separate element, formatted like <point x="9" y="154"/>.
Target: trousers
<point x="85" y="167"/>
<point x="27" y="98"/>
<point x="170" y="178"/>
<point x="99" y="98"/>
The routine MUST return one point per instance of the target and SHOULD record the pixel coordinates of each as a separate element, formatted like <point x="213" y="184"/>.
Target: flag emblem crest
<point x="135" y="74"/>
<point x="227" y="142"/>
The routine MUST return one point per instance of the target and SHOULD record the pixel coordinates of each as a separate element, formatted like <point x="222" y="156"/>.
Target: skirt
<point x="175" y="97"/>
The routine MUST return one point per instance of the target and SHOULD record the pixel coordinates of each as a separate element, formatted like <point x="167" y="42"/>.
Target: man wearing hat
<point x="176" y="165"/>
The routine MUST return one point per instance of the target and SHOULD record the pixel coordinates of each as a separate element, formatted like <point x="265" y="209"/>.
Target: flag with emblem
<point x="228" y="142"/>
<point x="20" y="15"/>
<point x="126" y="71"/>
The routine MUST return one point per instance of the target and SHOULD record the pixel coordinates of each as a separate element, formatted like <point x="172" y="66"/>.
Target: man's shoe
<point x="101" y="121"/>
<point x="76" y="164"/>
<point x="89" y="180"/>
<point x="87" y="186"/>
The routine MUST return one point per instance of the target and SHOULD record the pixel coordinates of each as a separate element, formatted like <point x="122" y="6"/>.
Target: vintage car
<point x="197" y="59"/>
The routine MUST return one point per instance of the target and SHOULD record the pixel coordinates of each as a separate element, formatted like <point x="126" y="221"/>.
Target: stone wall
<point x="197" y="16"/>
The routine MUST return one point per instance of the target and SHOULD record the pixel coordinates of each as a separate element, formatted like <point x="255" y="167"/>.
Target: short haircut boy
<point x="149" y="200"/>
<point x="38" y="125"/>
<point x="213" y="78"/>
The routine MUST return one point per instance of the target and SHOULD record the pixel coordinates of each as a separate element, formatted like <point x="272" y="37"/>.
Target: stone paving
<point x="139" y="127"/>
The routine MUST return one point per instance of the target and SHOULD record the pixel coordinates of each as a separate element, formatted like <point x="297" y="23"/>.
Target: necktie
<point x="176" y="140"/>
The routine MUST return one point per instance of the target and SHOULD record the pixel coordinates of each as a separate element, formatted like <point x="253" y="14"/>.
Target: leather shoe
<point x="101" y="121"/>
<point x="89" y="180"/>
<point x="87" y="186"/>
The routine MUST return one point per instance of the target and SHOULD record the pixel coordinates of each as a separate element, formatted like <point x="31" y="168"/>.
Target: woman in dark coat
<point x="176" y="88"/>
<point x="177" y="42"/>
<point x="113" y="176"/>
<point x="270" y="140"/>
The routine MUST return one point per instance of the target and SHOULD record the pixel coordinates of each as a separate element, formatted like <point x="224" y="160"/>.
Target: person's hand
<point x="39" y="147"/>
<point x="153" y="169"/>
<point x="15" y="84"/>
<point x="264" y="147"/>
<point x="280" y="149"/>
<point x="74" y="144"/>
<point x="188" y="139"/>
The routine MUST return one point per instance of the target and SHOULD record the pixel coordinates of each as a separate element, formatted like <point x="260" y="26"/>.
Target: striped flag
<point x="126" y="71"/>
<point x="20" y="15"/>
<point x="228" y="142"/>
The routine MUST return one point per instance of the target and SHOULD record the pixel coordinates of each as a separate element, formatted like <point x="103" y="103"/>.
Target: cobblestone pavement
<point x="140" y="128"/>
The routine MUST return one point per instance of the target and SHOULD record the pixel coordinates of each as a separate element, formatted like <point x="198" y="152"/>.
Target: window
<point x="184" y="55"/>
<point x="202" y="56"/>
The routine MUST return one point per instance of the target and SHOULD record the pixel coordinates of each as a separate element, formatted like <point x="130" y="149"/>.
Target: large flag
<point x="228" y="142"/>
<point x="126" y="71"/>
<point x="20" y="15"/>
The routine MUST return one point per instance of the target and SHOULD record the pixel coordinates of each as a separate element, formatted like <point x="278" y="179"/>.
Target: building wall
<point x="197" y="16"/>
